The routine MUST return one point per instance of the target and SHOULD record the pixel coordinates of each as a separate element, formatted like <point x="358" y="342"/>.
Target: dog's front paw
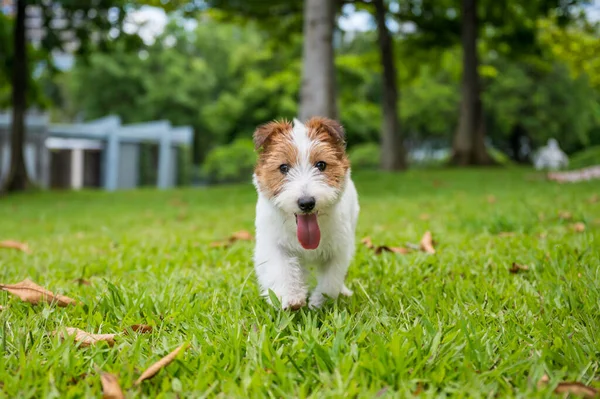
<point x="347" y="292"/>
<point x="316" y="300"/>
<point x="293" y="303"/>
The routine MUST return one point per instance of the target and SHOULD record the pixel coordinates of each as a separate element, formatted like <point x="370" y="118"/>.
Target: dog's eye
<point x="285" y="168"/>
<point x="321" y="165"/>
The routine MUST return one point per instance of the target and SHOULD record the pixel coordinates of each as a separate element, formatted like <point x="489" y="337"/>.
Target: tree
<point x="468" y="147"/>
<point x="17" y="179"/>
<point x="80" y="21"/>
<point x="508" y="27"/>
<point x="392" y="149"/>
<point x="317" y="93"/>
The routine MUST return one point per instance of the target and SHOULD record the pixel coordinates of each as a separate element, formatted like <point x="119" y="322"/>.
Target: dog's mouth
<point x="308" y="231"/>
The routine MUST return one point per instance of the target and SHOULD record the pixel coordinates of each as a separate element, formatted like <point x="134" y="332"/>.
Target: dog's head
<point x="302" y="170"/>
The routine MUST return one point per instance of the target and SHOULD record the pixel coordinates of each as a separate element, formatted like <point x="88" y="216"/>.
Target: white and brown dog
<point x="306" y="212"/>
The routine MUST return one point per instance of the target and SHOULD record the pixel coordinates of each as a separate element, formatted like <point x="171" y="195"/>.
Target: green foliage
<point x="583" y="159"/>
<point x="230" y="163"/>
<point x="549" y="104"/>
<point x="365" y="156"/>
<point x="220" y="79"/>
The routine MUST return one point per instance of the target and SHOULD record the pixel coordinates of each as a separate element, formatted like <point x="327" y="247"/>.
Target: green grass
<point x="455" y="323"/>
<point x="585" y="158"/>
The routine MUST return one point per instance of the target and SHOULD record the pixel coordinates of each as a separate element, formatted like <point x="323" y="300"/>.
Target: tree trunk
<point x="469" y="140"/>
<point x="393" y="156"/>
<point x="317" y="95"/>
<point x="17" y="179"/>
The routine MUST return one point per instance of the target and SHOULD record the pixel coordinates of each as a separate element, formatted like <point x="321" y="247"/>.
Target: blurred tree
<point x="468" y="147"/>
<point x="220" y="78"/>
<point x="393" y="155"/>
<point x="317" y="93"/>
<point x="509" y="26"/>
<point x="77" y="20"/>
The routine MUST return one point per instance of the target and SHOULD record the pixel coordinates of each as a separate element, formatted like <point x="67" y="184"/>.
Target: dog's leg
<point x="330" y="281"/>
<point x="284" y="276"/>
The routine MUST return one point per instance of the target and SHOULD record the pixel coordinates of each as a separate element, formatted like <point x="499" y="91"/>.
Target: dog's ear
<point x="264" y="132"/>
<point x="330" y="126"/>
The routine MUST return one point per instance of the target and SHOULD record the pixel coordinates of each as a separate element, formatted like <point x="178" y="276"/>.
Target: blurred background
<point x="116" y="94"/>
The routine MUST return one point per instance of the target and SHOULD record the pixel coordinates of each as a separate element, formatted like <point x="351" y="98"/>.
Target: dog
<point x="306" y="212"/>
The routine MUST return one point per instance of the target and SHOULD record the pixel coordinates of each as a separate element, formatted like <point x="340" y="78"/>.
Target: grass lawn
<point x="454" y="323"/>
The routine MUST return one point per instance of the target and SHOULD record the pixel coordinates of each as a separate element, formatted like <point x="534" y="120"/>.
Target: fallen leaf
<point x="219" y="244"/>
<point x="162" y="363"/>
<point x="507" y="234"/>
<point x="367" y="242"/>
<point x="30" y="292"/>
<point x="578" y="227"/>
<point x="419" y="389"/>
<point x="397" y="250"/>
<point x="565" y="215"/>
<point x="383" y="248"/>
<point x="241" y="235"/>
<point x="593" y="199"/>
<point x="427" y="243"/>
<point x="19" y="246"/>
<point x="141" y="328"/>
<point x="424" y="216"/>
<point x="82" y="281"/>
<point x="491" y="199"/>
<point x="574" y="388"/>
<point x="382" y="391"/>
<point x="85" y="338"/>
<point x="110" y="387"/>
<point x="516" y="268"/>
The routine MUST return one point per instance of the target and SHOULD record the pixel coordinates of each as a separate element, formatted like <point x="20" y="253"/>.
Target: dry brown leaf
<point x="491" y="199"/>
<point x="110" y="387"/>
<point x="141" y="328"/>
<point x="85" y="338"/>
<point x="507" y="234"/>
<point x="516" y="268"/>
<point x="572" y="388"/>
<point x="565" y="215"/>
<point x="367" y="242"/>
<point x="11" y="244"/>
<point x="162" y="363"/>
<point x="30" y="292"/>
<point x="419" y="389"/>
<point x="424" y="216"/>
<point x="579" y="227"/>
<point x="426" y="243"/>
<point x="241" y="235"/>
<point x="82" y="281"/>
<point x="397" y="250"/>
<point x="593" y="199"/>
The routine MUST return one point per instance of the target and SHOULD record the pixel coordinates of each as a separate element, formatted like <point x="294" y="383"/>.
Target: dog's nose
<point x="306" y="204"/>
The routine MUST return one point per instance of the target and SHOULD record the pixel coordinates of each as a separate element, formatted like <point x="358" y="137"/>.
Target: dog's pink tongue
<point x="309" y="234"/>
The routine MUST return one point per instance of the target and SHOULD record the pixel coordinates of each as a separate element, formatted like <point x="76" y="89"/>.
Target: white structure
<point x="101" y="153"/>
<point x="550" y="157"/>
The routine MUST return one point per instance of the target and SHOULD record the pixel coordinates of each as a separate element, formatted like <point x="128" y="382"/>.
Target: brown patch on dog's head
<point x="331" y="148"/>
<point x="273" y="141"/>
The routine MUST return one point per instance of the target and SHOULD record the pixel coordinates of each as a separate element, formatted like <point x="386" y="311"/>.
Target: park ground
<point x="454" y="323"/>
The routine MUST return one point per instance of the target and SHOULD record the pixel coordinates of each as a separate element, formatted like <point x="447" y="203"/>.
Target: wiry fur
<point x="281" y="263"/>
